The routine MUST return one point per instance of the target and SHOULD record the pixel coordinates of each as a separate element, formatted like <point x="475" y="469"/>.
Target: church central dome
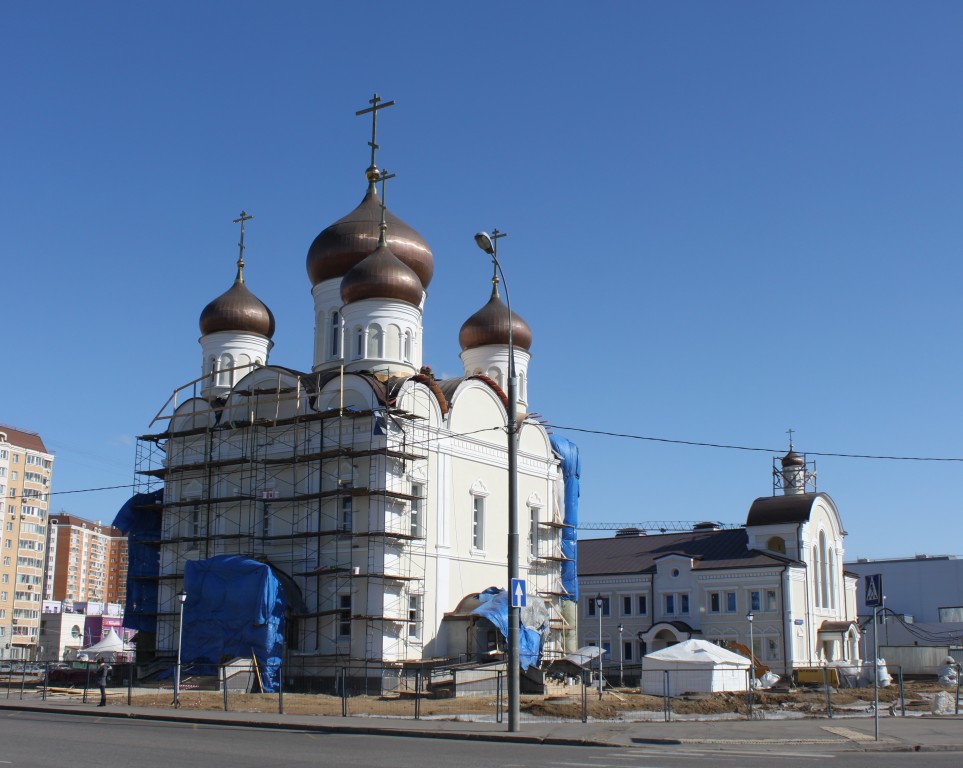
<point x="237" y="309"/>
<point x="351" y="239"/>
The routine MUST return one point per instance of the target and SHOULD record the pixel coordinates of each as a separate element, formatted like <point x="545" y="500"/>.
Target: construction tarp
<point x="140" y="519"/>
<point x="571" y="473"/>
<point x="494" y="607"/>
<point x="235" y="607"/>
<point x="694" y="665"/>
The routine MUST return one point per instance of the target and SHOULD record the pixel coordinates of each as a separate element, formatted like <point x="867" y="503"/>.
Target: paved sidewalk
<point x="841" y="734"/>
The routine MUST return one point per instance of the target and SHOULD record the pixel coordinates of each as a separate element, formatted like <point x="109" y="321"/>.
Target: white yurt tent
<point x="694" y="665"/>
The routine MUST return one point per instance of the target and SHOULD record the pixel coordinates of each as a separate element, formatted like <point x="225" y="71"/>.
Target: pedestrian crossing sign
<point x="874" y="590"/>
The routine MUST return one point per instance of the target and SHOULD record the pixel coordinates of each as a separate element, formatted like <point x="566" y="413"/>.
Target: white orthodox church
<point x="375" y="491"/>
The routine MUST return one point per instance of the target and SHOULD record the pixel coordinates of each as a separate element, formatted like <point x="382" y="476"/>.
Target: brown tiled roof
<point x="638" y="554"/>
<point x="29" y="440"/>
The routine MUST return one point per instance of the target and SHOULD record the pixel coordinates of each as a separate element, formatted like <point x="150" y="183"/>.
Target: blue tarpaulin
<point x="494" y="607"/>
<point x="571" y="472"/>
<point x="140" y="519"/>
<point x="235" y="607"/>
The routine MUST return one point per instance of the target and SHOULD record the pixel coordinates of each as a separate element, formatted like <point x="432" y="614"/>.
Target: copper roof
<point x="29" y="441"/>
<point x="490" y="324"/>
<point x="237" y="309"/>
<point x="352" y="238"/>
<point x="638" y="554"/>
<point x="381" y="275"/>
<point x="789" y="508"/>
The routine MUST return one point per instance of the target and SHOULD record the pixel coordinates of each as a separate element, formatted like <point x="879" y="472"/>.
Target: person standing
<point x="103" y="669"/>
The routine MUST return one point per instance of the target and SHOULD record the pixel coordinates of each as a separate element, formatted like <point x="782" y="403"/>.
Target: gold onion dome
<point x="381" y="275"/>
<point x="237" y="309"/>
<point x="489" y="325"/>
<point x="352" y="238"/>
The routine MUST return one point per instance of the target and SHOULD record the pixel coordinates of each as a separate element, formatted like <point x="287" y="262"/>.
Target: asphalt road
<point x="40" y="740"/>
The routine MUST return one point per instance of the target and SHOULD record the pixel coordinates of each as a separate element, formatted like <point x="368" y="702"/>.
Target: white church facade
<point x="376" y="491"/>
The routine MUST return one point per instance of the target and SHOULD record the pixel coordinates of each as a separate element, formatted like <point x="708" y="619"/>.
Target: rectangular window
<point x="478" y="523"/>
<point x="627" y="605"/>
<point x="755" y="603"/>
<point x="592" y="606"/>
<point x="416" y="510"/>
<point x="347" y="513"/>
<point x="643" y="605"/>
<point x="770" y="599"/>
<point x="414" y="617"/>
<point x="344" y="616"/>
<point x="730" y="602"/>
<point x="533" y="531"/>
<point x="951" y="614"/>
<point x="627" y="650"/>
<point x="714" y="603"/>
<point x="684" y="604"/>
<point x="670" y="604"/>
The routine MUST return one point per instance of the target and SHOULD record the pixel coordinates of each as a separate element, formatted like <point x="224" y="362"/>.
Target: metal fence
<point x="479" y="693"/>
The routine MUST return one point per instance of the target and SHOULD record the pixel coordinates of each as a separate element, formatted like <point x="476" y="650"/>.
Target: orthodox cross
<point x="383" y="177"/>
<point x="789" y="432"/>
<point x="245" y="216"/>
<point x="373" y="109"/>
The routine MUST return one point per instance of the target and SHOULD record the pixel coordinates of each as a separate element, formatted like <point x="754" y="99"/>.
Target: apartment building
<point x="86" y="561"/>
<point x="25" y="471"/>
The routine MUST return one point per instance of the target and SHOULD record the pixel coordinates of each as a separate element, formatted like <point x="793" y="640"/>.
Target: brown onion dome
<point x="351" y="239"/>
<point x="381" y="275"/>
<point x="793" y="459"/>
<point x="237" y="309"/>
<point x="489" y="325"/>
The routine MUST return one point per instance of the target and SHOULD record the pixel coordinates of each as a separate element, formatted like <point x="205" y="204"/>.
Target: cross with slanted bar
<point x="245" y="216"/>
<point x="373" y="109"/>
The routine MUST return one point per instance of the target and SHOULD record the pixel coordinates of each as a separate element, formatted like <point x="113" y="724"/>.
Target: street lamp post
<point x="752" y="659"/>
<point x="599" y="602"/>
<point x="182" y="598"/>
<point x="621" y="658"/>
<point x="489" y="244"/>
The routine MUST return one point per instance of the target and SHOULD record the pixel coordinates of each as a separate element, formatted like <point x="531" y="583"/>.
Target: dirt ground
<point x="615" y="705"/>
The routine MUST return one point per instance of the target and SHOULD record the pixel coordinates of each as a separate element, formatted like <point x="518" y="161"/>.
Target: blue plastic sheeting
<point x="140" y="519"/>
<point x="235" y="607"/>
<point x="494" y="607"/>
<point x="571" y="472"/>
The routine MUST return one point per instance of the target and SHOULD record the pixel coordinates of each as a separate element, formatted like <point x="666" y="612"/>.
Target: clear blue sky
<point x="725" y="220"/>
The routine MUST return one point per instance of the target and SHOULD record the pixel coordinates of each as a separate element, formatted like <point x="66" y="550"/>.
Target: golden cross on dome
<point x="245" y="216"/>
<point x="376" y="105"/>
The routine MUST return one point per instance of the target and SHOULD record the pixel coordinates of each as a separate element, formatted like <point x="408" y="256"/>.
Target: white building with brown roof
<point x="784" y="569"/>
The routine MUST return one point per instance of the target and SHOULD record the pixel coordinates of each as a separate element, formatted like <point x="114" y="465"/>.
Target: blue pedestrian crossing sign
<point x="874" y="590"/>
<point x="519" y="592"/>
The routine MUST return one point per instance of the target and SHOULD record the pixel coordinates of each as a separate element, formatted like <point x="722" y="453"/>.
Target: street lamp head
<point x="485" y="242"/>
<point x="598" y="600"/>
<point x="749" y="617"/>
<point x="621" y="628"/>
<point x="182" y="596"/>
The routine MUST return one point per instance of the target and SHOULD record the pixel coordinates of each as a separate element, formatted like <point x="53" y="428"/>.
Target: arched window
<point x="393" y="342"/>
<point x="407" y="346"/>
<point x="245" y="362"/>
<point x="225" y="375"/>
<point x="823" y="569"/>
<point x="832" y="578"/>
<point x="335" y="337"/>
<point x="495" y="375"/>
<point x="817" y="580"/>
<point x="359" y="343"/>
<point x="376" y="342"/>
<point x="776" y="544"/>
<point x="212" y="368"/>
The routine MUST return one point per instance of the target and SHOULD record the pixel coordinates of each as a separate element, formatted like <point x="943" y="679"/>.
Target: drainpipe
<point x="787" y="625"/>
<point x="809" y="639"/>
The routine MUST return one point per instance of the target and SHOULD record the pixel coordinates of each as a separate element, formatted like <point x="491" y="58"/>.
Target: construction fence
<point x="480" y="694"/>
